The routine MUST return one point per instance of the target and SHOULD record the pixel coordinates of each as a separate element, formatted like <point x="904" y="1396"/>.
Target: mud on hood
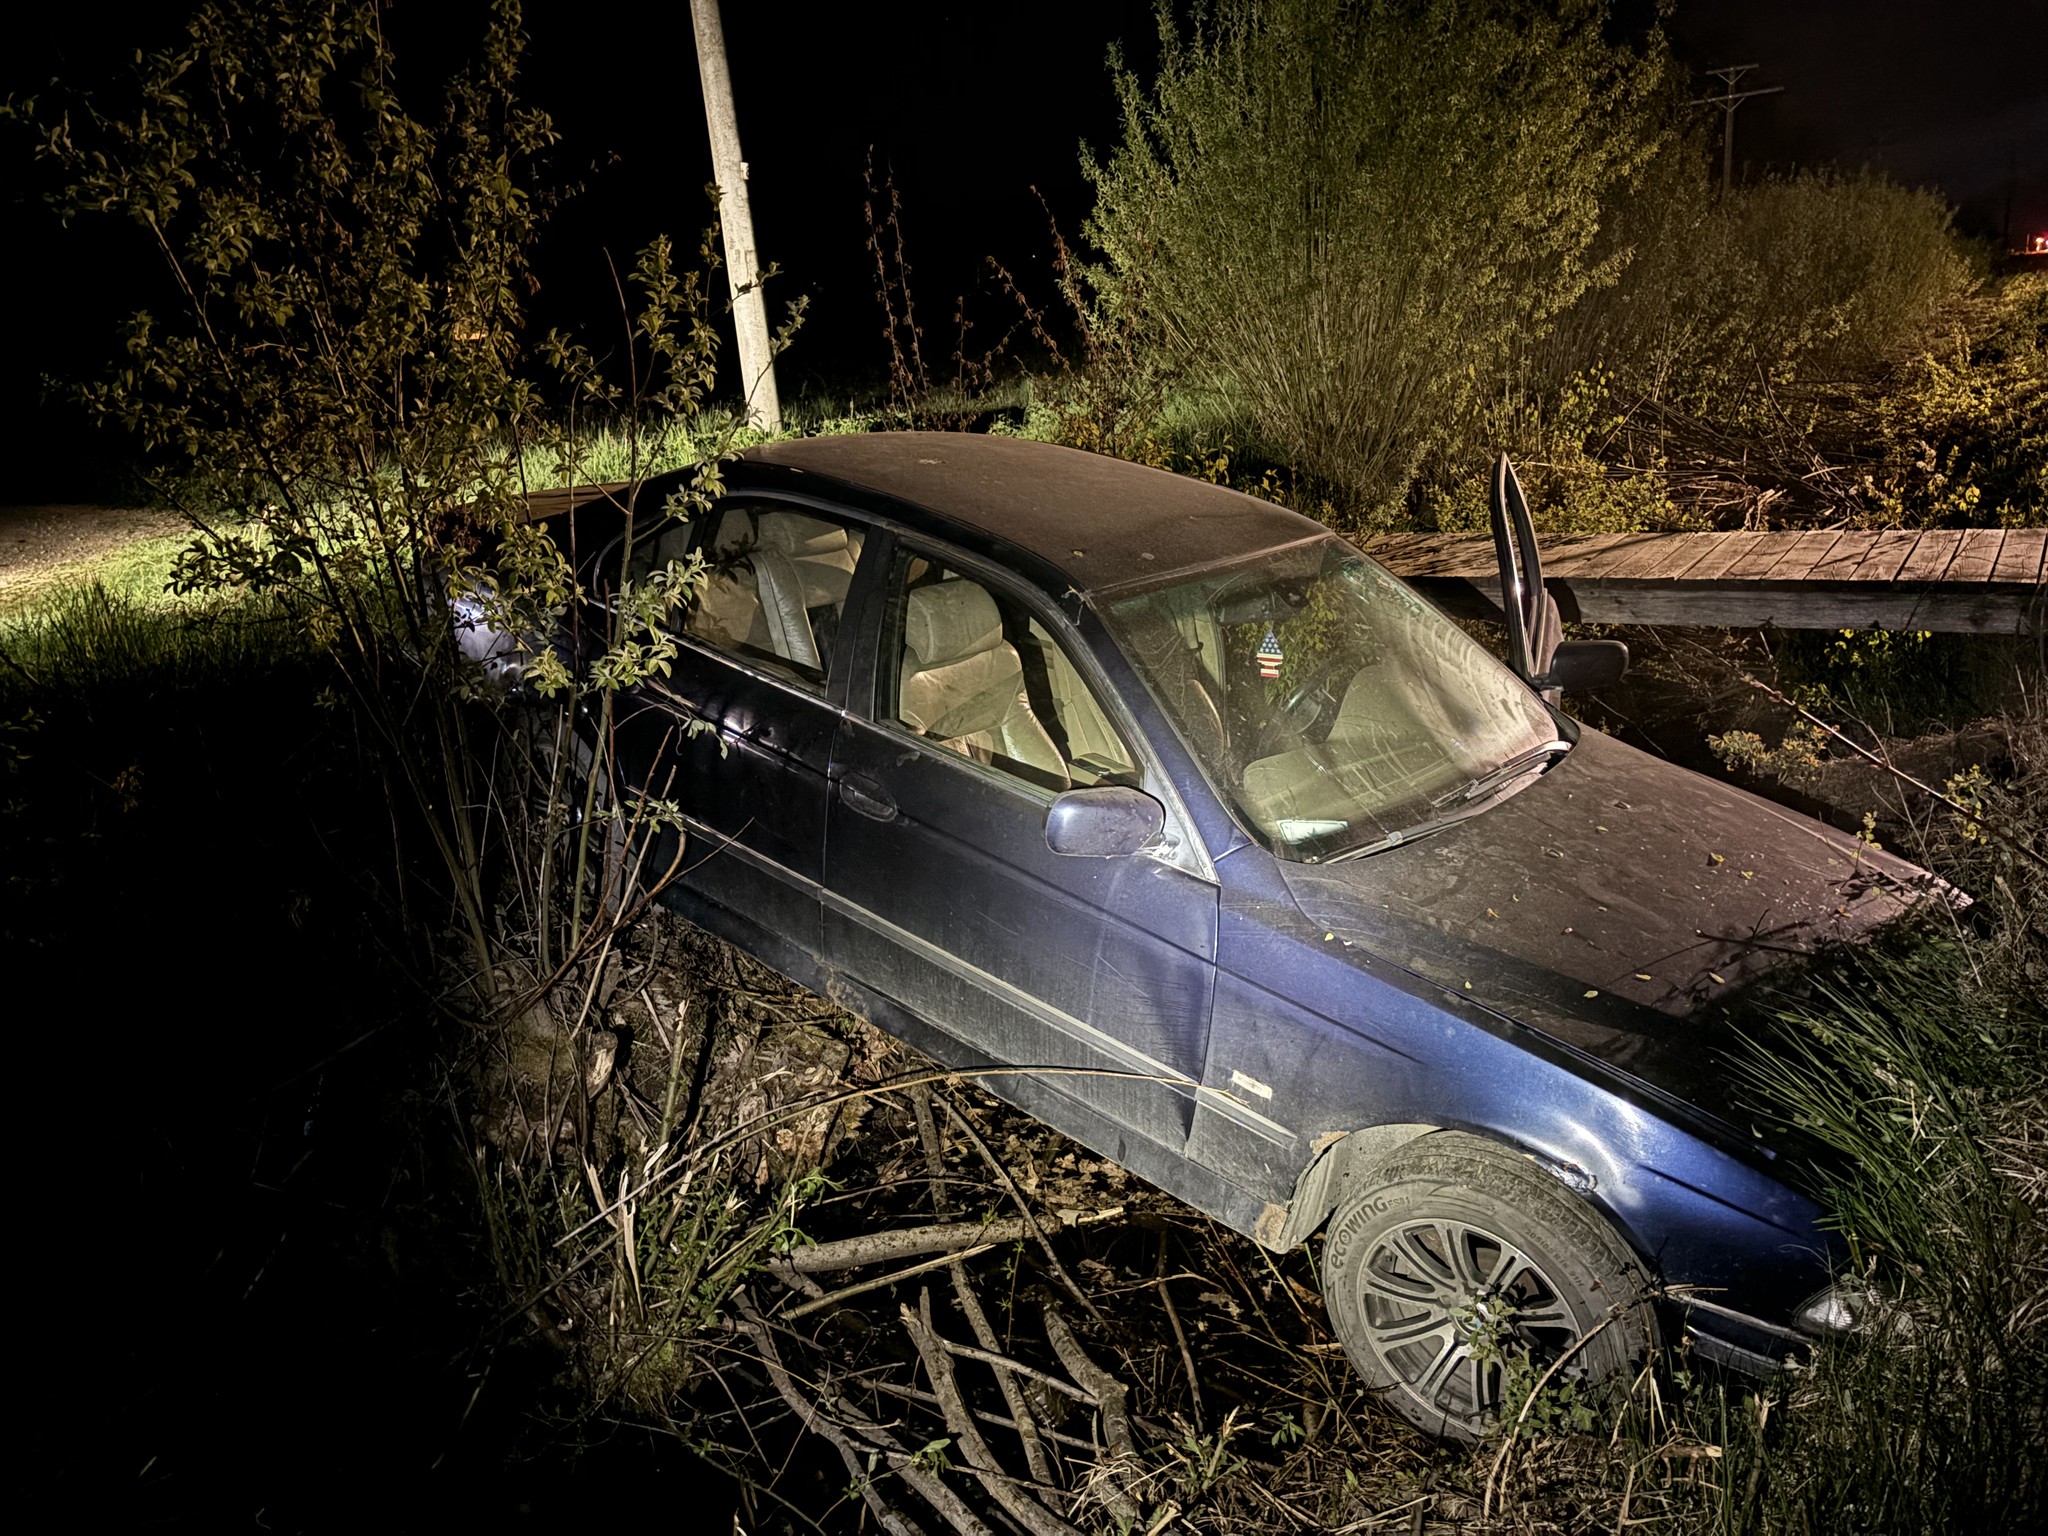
<point x="1615" y="904"/>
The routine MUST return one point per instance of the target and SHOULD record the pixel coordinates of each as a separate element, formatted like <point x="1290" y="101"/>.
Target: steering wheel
<point x="1309" y="710"/>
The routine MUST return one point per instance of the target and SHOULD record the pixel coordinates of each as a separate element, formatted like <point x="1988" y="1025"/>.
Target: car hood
<point x="1616" y="904"/>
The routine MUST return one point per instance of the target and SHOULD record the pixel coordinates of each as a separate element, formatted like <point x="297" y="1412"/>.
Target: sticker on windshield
<point x="1269" y="657"/>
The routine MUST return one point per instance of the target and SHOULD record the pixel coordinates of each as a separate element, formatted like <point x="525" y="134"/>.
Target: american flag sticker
<point x="1269" y="657"/>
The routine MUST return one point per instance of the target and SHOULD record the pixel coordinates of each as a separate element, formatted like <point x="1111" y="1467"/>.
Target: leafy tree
<point x="1340" y="214"/>
<point x="342" y="399"/>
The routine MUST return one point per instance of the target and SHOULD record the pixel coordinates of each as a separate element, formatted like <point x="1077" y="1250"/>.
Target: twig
<point x="940" y="1237"/>
<point x="818" y="1424"/>
<point x="938" y="1365"/>
<point x="1180" y="1336"/>
<point x="914" y="1395"/>
<point x="1005" y="1363"/>
<point x="1899" y="773"/>
<point x="1025" y="1421"/>
<point x="927" y="1485"/>
<point x="1002" y="1174"/>
<point x="1614" y="1314"/>
<point x="880" y="1281"/>
<point x="1109" y="1394"/>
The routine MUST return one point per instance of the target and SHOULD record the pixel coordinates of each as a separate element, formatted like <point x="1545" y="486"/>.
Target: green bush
<point x="1964" y="430"/>
<point x="1339" y="217"/>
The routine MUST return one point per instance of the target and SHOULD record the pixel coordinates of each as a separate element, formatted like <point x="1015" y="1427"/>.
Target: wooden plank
<point x="1762" y="559"/>
<point x="1577" y="557"/>
<point x="1463" y="554"/>
<point x="1931" y="556"/>
<point x="1807" y="551"/>
<point x="1396" y="550"/>
<point x="1732" y="548"/>
<point x="1859" y="605"/>
<point x="1887" y="554"/>
<point x="1847" y="554"/>
<point x="1977" y="556"/>
<point x="1946" y="609"/>
<point x="2020" y="556"/>
<point x="1682" y="552"/>
<point x="1636" y="553"/>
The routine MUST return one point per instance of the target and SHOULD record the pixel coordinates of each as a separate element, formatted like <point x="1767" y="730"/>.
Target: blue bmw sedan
<point x="1220" y="850"/>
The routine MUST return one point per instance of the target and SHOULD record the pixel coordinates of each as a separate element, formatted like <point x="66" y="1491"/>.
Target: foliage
<point x="1803" y="276"/>
<point x="1922" y="1074"/>
<point x="1963" y="429"/>
<point x="1339" y="217"/>
<point x="344" y="400"/>
<point x="1747" y="352"/>
<point x="345" y="382"/>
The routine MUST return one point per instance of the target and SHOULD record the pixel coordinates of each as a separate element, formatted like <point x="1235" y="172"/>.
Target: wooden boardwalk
<point x="1975" y="581"/>
<point x="1970" y="581"/>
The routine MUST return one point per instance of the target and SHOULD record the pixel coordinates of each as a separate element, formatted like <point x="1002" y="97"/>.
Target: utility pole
<point x="1728" y="101"/>
<point x="736" y="221"/>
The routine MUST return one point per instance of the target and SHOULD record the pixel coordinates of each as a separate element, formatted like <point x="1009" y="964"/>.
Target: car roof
<point x="1097" y="522"/>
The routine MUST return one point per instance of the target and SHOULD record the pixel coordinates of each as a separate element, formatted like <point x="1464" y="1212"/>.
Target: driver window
<point x="775" y="588"/>
<point x="977" y="674"/>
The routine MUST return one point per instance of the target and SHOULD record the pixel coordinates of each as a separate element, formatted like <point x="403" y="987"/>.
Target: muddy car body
<point x="1048" y="763"/>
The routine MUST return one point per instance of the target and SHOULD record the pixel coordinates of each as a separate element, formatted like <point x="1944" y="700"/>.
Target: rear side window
<point x="775" y="589"/>
<point x="968" y="667"/>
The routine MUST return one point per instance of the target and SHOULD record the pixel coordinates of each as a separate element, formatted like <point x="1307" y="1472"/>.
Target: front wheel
<point x="1461" y="1257"/>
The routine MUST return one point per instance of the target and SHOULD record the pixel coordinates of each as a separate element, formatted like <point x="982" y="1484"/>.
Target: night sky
<point x="970" y="107"/>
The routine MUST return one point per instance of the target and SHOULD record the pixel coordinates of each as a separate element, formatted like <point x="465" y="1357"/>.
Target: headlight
<point x="1847" y="1306"/>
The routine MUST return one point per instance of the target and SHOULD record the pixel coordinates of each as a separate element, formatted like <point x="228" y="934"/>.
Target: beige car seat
<point x="1093" y="747"/>
<point x="963" y="684"/>
<point x="1384" y="742"/>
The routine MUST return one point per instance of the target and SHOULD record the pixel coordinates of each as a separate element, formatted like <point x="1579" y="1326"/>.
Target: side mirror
<point x="1581" y="666"/>
<point x="1103" y="822"/>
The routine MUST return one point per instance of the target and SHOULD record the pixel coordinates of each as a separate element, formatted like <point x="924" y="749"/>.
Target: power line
<point x="1730" y="75"/>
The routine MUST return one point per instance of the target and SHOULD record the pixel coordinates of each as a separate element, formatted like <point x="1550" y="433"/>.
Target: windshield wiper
<point x="1471" y="797"/>
<point x="1499" y="778"/>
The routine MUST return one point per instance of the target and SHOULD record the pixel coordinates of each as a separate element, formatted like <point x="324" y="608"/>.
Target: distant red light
<point x="2037" y="245"/>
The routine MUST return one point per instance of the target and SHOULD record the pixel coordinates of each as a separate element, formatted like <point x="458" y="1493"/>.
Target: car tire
<point x="1458" y="1252"/>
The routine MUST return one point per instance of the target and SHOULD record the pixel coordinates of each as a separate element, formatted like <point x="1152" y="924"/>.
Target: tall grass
<point x="1921" y="1069"/>
<point x="100" y="640"/>
<point x="607" y="453"/>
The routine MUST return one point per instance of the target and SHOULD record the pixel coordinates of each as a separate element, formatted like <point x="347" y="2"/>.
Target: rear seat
<point x="798" y="568"/>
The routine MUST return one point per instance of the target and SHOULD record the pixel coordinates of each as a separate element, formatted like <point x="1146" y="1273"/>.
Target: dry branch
<point x="764" y="1341"/>
<point x="940" y="1237"/>
<point x="1109" y="1396"/>
<point x="1021" y="1416"/>
<point x="1022" y="1507"/>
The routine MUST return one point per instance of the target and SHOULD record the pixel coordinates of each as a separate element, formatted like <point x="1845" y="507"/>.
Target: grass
<point x="138" y="571"/>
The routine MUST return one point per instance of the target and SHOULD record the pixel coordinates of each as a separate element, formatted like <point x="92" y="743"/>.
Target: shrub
<point x="1964" y="431"/>
<point x="1340" y="216"/>
<point x="1801" y="278"/>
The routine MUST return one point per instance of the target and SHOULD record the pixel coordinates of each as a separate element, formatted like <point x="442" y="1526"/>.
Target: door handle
<point x="868" y="798"/>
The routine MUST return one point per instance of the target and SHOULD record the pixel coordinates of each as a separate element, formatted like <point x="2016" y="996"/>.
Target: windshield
<point x="1332" y="706"/>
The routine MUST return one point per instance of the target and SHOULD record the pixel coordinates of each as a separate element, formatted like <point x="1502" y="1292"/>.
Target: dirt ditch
<point x="969" y="1324"/>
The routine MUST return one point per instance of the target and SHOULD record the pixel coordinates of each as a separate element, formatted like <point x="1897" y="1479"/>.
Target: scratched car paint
<point x="1294" y="900"/>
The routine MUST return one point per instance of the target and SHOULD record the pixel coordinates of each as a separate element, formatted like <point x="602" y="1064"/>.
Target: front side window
<point x="1334" y="708"/>
<point x="775" y="589"/>
<point x="976" y="673"/>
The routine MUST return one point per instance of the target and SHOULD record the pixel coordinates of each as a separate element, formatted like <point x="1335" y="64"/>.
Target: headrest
<point x="672" y="545"/>
<point x="734" y="529"/>
<point x="948" y="621"/>
<point x="794" y="534"/>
